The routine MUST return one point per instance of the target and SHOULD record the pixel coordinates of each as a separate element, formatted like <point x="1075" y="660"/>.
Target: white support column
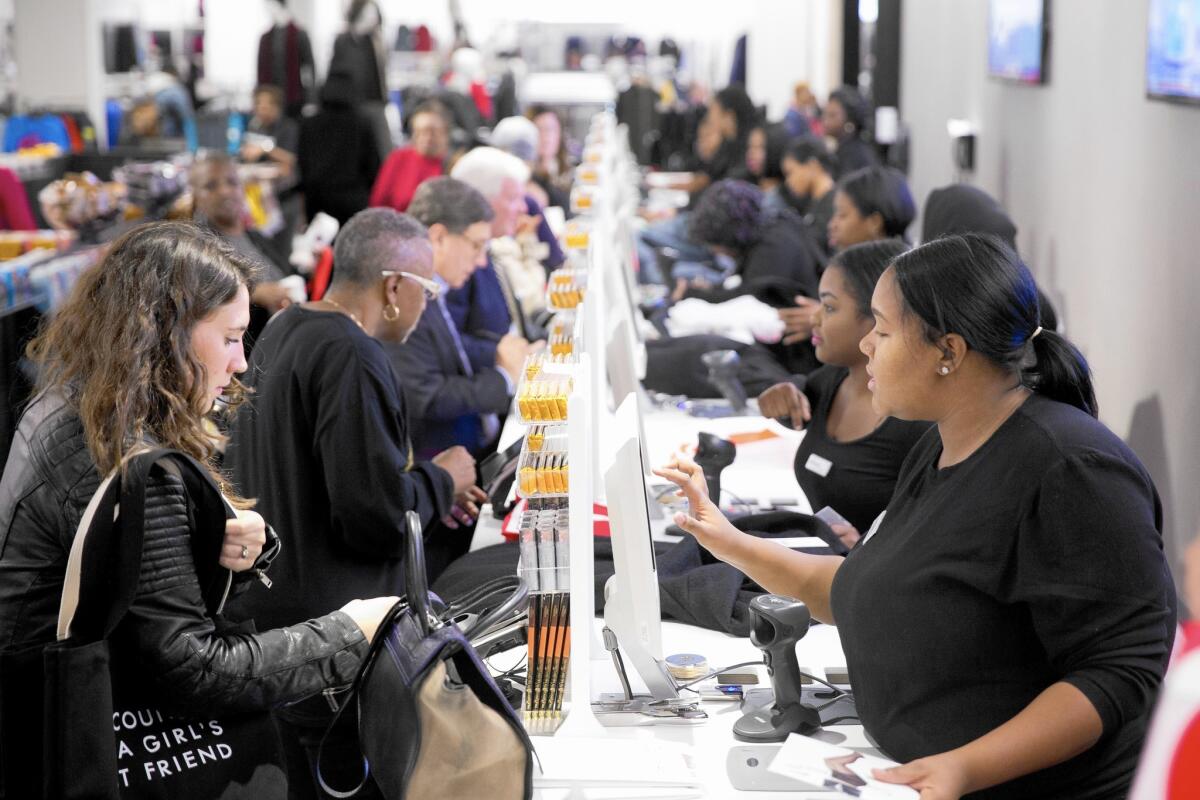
<point x="60" y="56"/>
<point x="789" y="42"/>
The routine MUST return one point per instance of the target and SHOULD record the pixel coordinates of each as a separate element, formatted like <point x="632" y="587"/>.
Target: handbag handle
<point x="518" y="598"/>
<point x="416" y="581"/>
<point x="376" y="646"/>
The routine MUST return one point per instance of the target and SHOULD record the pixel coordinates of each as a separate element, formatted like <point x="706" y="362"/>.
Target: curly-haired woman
<point x="775" y="259"/>
<point x="138" y="355"/>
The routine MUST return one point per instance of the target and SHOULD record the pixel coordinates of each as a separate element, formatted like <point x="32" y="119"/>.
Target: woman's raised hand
<point x="703" y="520"/>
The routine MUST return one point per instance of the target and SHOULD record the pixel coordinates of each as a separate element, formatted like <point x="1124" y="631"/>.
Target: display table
<point x="589" y="428"/>
<point x="711" y="740"/>
<point x="761" y="473"/>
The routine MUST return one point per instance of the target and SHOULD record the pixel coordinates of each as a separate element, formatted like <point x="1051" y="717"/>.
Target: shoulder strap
<point x="104" y="564"/>
<point x="103" y="498"/>
<point x="106" y="558"/>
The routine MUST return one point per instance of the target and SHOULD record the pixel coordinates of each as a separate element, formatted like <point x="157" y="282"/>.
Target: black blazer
<point x="445" y="404"/>
<point x="338" y="160"/>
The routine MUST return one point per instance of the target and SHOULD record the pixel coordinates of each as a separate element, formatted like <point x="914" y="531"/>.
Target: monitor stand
<point x="627" y="708"/>
<point x="614" y="710"/>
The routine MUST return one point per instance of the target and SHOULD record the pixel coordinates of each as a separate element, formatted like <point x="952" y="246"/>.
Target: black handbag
<point x="432" y="722"/>
<point x="103" y="735"/>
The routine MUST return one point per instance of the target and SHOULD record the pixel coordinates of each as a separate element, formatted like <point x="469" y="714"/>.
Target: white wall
<point x="1104" y="186"/>
<point x="150" y="14"/>
<point x="231" y="32"/>
<point x="790" y="40"/>
<point x="793" y="41"/>
<point x="70" y="73"/>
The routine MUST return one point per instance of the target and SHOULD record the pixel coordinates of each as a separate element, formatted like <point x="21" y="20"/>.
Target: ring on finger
<point x="245" y="551"/>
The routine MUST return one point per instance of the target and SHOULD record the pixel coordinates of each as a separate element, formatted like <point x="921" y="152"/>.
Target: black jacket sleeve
<point x="434" y="394"/>
<point x="362" y="439"/>
<point x="1092" y="573"/>
<point x="192" y="665"/>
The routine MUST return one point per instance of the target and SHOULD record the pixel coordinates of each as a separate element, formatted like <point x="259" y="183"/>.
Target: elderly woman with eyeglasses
<point x="325" y="449"/>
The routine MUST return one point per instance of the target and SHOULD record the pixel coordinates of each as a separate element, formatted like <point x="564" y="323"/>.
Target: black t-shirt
<point x="1036" y="560"/>
<point x="338" y="159"/>
<point x="814" y="215"/>
<point x="323" y="445"/>
<point x="859" y="475"/>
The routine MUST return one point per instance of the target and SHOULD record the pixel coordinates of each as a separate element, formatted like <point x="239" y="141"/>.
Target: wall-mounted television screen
<point x="1173" y="50"/>
<point x="1018" y="38"/>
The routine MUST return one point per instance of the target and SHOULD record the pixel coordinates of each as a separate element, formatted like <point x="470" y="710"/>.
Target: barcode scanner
<point x="714" y="454"/>
<point x="776" y="624"/>
<point x="723" y="374"/>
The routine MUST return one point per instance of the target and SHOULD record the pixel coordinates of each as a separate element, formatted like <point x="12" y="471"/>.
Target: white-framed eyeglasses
<point x="432" y="288"/>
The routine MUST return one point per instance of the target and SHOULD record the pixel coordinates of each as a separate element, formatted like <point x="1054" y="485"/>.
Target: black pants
<point x="301" y="728"/>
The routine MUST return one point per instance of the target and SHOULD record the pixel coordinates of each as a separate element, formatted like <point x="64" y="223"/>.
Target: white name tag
<point x="874" y="527"/>
<point x="819" y="465"/>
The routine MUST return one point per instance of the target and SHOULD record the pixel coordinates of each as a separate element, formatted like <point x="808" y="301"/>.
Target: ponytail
<point x="1060" y="372"/>
<point x="976" y="286"/>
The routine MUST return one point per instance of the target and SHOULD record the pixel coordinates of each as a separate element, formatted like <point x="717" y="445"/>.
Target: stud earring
<point x="944" y="371"/>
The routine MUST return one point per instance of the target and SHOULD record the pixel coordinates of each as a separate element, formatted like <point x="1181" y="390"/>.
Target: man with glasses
<point x="489" y="305"/>
<point x="325" y="449"/>
<point x="450" y="401"/>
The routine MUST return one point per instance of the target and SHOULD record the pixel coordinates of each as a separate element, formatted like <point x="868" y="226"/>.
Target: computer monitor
<point x="631" y="604"/>
<point x="620" y="358"/>
<point x="626" y="256"/>
<point x="625" y="384"/>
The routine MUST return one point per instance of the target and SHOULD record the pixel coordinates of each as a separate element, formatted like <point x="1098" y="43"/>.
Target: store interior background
<point x="1104" y="183"/>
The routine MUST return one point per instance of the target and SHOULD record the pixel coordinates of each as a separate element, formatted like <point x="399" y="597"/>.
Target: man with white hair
<point x="519" y="136"/>
<point x="488" y="307"/>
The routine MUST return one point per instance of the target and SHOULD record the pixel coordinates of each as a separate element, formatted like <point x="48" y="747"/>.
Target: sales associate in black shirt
<point x="1008" y="621"/>
<point x="729" y="119"/>
<point x="775" y="261"/>
<point x="846" y="118"/>
<point x="808" y="186"/>
<point x="850" y="455"/>
<point x="324" y="448"/>
<point x="871" y="204"/>
<point x="808" y="189"/>
<point x="764" y="156"/>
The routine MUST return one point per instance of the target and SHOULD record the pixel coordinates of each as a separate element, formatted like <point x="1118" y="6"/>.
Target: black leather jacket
<point x="47" y="483"/>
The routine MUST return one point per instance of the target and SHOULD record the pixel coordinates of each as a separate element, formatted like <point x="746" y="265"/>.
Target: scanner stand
<point x="776" y="624"/>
